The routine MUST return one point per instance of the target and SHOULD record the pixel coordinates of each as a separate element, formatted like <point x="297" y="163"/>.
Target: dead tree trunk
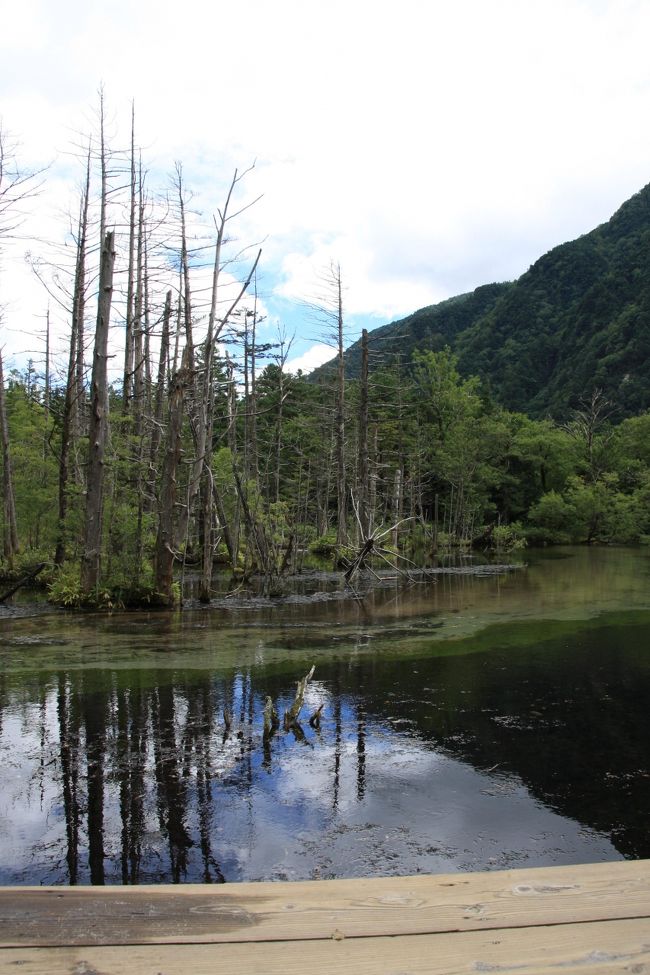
<point x="138" y="382"/>
<point x="341" y="486"/>
<point x="207" y="554"/>
<point x="127" y="383"/>
<point x="98" y="432"/>
<point x="156" y="432"/>
<point x="185" y="272"/>
<point x="364" y="471"/>
<point x="74" y="383"/>
<point x="204" y="391"/>
<point x="10" y="538"/>
<point x="164" y="555"/>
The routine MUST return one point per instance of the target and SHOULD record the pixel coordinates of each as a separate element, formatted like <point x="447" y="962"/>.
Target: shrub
<point x="507" y="538"/>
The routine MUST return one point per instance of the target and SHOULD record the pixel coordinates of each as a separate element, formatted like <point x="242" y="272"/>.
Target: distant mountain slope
<point x="433" y="327"/>
<point x="579" y="318"/>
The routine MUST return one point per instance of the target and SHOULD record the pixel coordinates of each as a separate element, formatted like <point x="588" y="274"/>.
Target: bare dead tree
<point x="341" y="482"/>
<point x="204" y="387"/>
<point x="327" y="308"/>
<point x="185" y="268"/>
<point x="74" y="384"/>
<point x="17" y="186"/>
<point x="10" y="544"/>
<point x="98" y="431"/>
<point x="589" y="425"/>
<point x="127" y="382"/>
<point x="363" y="464"/>
<point x="165" y="552"/>
<point x="159" y="399"/>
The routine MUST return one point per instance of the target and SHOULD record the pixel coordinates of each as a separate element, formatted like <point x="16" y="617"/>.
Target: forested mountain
<point x="433" y="327"/>
<point x="578" y="319"/>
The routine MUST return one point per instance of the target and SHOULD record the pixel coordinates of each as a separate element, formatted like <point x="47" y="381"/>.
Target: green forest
<point x="173" y="438"/>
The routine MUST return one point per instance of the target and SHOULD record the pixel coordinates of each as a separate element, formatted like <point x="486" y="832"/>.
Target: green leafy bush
<point x="507" y="538"/>
<point x="325" y="545"/>
<point x="65" y="590"/>
<point x="551" y="521"/>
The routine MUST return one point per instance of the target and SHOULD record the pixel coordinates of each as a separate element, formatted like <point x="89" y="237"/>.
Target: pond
<point x="486" y="717"/>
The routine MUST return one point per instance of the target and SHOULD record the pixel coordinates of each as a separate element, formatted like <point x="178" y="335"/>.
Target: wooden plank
<point x="315" y="909"/>
<point x="583" y="949"/>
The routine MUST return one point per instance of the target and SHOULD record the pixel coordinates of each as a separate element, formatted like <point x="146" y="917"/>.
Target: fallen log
<point x="23" y="582"/>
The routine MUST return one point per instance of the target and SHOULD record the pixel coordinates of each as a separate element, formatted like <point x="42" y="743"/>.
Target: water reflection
<point x="487" y="738"/>
<point x="450" y="763"/>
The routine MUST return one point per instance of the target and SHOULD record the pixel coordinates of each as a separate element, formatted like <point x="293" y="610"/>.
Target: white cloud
<point x="366" y="289"/>
<point x="427" y="147"/>
<point x="315" y="356"/>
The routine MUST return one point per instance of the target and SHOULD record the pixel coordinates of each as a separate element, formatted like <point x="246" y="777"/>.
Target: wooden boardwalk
<point x="580" y="919"/>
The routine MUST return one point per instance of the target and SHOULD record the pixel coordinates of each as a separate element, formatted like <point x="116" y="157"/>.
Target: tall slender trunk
<point x="103" y="170"/>
<point x="252" y="409"/>
<point x="78" y="419"/>
<point x="127" y="382"/>
<point x="164" y="554"/>
<point x="156" y="431"/>
<point x="278" y="434"/>
<point x="232" y="444"/>
<point x="205" y="588"/>
<point x="10" y="537"/>
<point x="185" y="272"/>
<point x="397" y="502"/>
<point x="98" y="432"/>
<point x="364" y="466"/>
<point x="46" y="391"/>
<point x="70" y="425"/>
<point x="341" y="486"/>
<point x="139" y="386"/>
<point x="138" y="320"/>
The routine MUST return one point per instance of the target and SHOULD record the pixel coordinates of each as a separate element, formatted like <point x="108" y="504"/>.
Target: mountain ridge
<point x="576" y="320"/>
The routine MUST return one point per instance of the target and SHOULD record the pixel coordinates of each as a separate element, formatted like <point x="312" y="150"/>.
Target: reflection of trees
<point x="170" y="784"/>
<point x="94" y="708"/>
<point x="140" y="766"/>
<point x="69" y="719"/>
<point x="132" y="708"/>
<point x="149" y="752"/>
<point x="338" y="737"/>
<point x="147" y="777"/>
<point x="197" y="742"/>
<point x="150" y="749"/>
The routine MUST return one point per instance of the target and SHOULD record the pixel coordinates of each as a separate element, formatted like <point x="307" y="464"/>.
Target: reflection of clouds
<point x="421" y="811"/>
<point x="376" y="801"/>
<point x="29" y="796"/>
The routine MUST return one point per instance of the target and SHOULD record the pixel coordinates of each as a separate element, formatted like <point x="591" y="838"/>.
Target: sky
<point x="426" y="146"/>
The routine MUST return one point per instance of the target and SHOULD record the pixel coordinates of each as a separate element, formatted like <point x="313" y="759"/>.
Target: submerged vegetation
<point x="202" y="449"/>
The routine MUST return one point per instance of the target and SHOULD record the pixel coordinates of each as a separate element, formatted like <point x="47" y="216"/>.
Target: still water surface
<point x="482" y="720"/>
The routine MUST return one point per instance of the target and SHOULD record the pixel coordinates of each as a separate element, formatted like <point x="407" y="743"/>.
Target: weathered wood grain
<point x="581" y="949"/>
<point x="267" y="912"/>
